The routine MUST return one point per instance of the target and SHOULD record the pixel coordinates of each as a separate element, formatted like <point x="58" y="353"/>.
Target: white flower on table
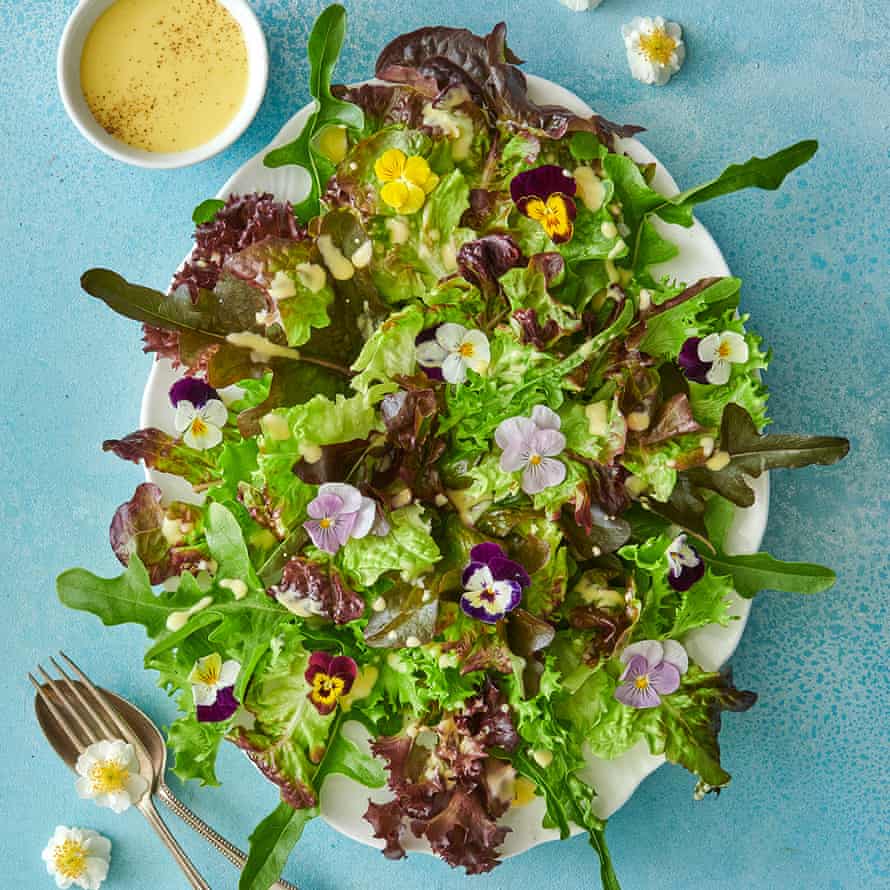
<point x="77" y="857"/>
<point x="581" y="5"/>
<point x="722" y="351"/>
<point x="655" y="49"/>
<point x="454" y="349"/>
<point x="109" y="774"/>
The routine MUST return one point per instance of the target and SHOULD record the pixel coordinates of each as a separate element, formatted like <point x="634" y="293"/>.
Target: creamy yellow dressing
<point x="164" y="75"/>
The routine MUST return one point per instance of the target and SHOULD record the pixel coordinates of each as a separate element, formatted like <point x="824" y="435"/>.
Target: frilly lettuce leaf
<point x="389" y="351"/>
<point x="407" y="548"/>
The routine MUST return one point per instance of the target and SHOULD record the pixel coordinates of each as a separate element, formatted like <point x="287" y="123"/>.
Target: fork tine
<point x="107" y="712"/>
<point x="63" y="723"/>
<point x="87" y="707"/>
<point x="88" y="731"/>
<point x="64" y="703"/>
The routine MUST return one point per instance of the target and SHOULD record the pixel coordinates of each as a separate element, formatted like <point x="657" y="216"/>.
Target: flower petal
<point x="542" y="182"/>
<point x="415" y="198"/>
<point x="192" y="389"/>
<point x="546" y="418"/>
<point x="450" y="335"/>
<point x="736" y="345"/>
<point x="215" y="413"/>
<point x="630" y="695"/>
<point x="319" y="663"/>
<point x="546" y="474"/>
<point x="719" y="372"/>
<point x="185" y="414"/>
<point x="487" y="551"/>
<point x="651" y="650"/>
<point x="417" y="170"/>
<point x="675" y="654"/>
<point x="228" y="674"/>
<point x="504" y="569"/>
<point x="513" y="459"/>
<point x="454" y="369"/>
<point x="201" y="435"/>
<point x="390" y="165"/>
<point x="664" y="678"/>
<point x="325" y="505"/>
<point x="203" y="695"/>
<point x="395" y="194"/>
<point x="477" y="576"/>
<point x="514" y="432"/>
<point x="225" y="705"/>
<point x="548" y="443"/>
<point x="707" y="348"/>
<point x="364" y="518"/>
<point x="430" y="354"/>
<point x="324" y="538"/>
<point x="348" y="494"/>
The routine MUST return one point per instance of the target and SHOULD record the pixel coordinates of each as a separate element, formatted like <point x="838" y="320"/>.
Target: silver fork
<point x="86" y="720"/>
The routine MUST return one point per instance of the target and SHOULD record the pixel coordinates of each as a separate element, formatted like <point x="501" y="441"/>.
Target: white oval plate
<point x="343" y="801"/>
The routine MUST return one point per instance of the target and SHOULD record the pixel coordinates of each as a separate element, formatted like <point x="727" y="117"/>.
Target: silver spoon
<point x="154" y="743"/>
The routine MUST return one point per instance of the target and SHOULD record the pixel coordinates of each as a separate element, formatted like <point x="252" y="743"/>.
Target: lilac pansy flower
<point x="454" y="349"/>
<point x="341" y="512"/>
<point x="493" y="583"/>
<point x="200" y="413"/>
<point x="532" y="445"/>
<point x="710" y="359"/>
<point x="653" y="669"/>
<point x="213" y="688"/>
<point x="685" y="566"/>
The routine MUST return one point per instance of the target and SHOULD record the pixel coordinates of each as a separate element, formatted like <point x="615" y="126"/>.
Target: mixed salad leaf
<point x="469" y="462"/>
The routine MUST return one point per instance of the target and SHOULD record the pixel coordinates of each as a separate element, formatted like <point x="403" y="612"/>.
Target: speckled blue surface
<point x="808" y="805"/>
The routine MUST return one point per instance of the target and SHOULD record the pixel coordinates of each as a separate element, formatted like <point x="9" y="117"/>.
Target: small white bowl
<point x="68" y="72"/>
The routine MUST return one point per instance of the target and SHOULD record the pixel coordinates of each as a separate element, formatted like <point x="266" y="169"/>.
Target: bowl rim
<point x="70" y="49"/>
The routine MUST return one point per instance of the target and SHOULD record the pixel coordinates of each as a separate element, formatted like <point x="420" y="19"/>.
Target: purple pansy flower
<point x="685" y="566"/>
<point x="213" y="688"/>
<point x="544" y="194"/>
<point x="493" y="583"/>
<point x="331" y="677"/>
<point x="710" y="360"/>
<point x="338" y="513"/>
<point x="532" y="445"/>
<point x="653" y="668"/>
<point x="200" y="413"/>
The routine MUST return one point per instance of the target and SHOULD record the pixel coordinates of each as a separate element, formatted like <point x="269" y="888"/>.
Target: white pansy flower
<point x="722" y="351"/>
<point x="655" y="49"/>
<point x="77" y="857"/>
<point x="201" y="427"/>
<point x="581" y="5"/>
<point x="454" y="349"/>
<point x="209" y="675"/>
<point x="109" y="774"/>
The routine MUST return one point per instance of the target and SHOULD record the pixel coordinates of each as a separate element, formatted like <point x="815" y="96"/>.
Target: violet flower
<point x="493" y="583"/>
<point x="338" y="513"/>
<point x="454" y="349"/>
<point x="532" y="445"/>
<point x="544" y="194"/>
<point x="685" y="566"/>
<point x="200" y="413"/>
<point x="330" y="677"/>
<point x="213" y="688"/>
<point x="710" y="360"/>
<point x="653" y="669"/>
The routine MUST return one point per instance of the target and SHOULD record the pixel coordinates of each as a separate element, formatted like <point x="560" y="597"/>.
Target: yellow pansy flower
<point x="406" y="181"/>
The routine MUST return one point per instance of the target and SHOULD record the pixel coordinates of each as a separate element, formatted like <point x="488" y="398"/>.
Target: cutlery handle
<point x="147" y="807"/>
<point x="197" y="824"/>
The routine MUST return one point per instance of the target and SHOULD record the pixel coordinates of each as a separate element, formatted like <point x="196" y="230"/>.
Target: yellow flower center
<point x="535" y="460"/>
<point x="642" y="682"/>
<point x="406" y="181"/>
<point x="658" y="46"/>
<point x="723" y="350"/>
<point x="70" y="859"/>
<point x="109" y="776"/>
<point x="326" y="690"/>
<point x="325" y="523"/>
<point x="466" y="350"/>
<point x="199" y="428"/>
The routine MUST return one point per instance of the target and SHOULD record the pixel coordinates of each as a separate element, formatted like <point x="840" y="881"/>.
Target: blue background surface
<point x="808" y="804"/>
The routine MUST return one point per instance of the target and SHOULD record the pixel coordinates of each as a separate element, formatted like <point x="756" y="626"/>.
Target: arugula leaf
<point x="206" y="211"/>
<point x="751" y="454"/>
<point x="227" y="546"/>
<point x="271" y="843"/>
<point x="751" y="573"/>
<point x="325" y="43"/>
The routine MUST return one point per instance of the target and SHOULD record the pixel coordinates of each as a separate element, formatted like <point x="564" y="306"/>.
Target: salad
<point x="464" y="462"/>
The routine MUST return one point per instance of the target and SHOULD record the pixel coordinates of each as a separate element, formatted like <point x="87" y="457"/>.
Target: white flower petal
<point x="207" y="437"/>
<point x="651" y="650"/>
<point x="675" y="654"/>
<point x="454" y="370"/>
<point x="479" y="580"/>
<point x="349" y="494"/>
<point x="514" y="432"/>
<point x="367" y="513"/>
<point x="430" y="354"/>
<point x="479" y="365"/>
<point x="185" y="414"/>
<point x="718" y="373"/>
<point x="545" y="418"/>
<point x="735" y="346"/>
<point x="479" y="342"/>
<point x="84" y="788"/>
<point x="513" y="459"/>
<point x="449" y="335"/>
<point x="215" y="413"/>
<point x="228" y="674"/>
<point x="203" y="694"/>
<point x="136" y="787"/>
<point x="707" y="348"/>
<point x="546" y="474"/>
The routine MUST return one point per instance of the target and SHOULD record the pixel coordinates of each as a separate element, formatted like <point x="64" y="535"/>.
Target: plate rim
<point x="713" y="644"/>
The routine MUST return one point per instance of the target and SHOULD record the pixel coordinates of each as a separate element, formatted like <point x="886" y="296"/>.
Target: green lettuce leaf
<point x="389" y="351"/>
